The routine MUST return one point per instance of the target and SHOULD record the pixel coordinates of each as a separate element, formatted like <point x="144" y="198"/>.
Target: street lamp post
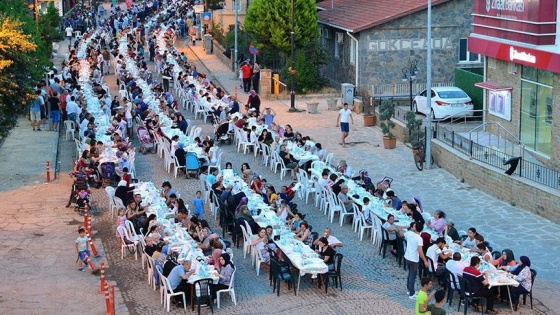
<point x="429" y="88"/>
<point x="292" y="70"/>
<point x="236" y="12"/>
<point x="409" y="73"/>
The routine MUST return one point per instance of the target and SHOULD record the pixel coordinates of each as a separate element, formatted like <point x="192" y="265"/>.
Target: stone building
<point x="371" y="41"/>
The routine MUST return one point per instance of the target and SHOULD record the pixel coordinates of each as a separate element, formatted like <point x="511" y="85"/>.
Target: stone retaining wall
<point x="219" y="51"/>
<point x="515" y="190"/>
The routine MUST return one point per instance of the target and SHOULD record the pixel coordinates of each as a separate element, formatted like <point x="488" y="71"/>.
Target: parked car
<point x="446" y="101"/>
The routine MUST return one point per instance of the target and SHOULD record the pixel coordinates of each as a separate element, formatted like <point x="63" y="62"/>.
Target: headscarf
<point x="509" y="257"/>
<point x="180" y="145"/>
<point x="227" y="260"/>
<point x="243" y="202"/>
<point x="253" y="93"/>
<point x="216" y="253"/>
<point x="525" y="262"/>
<point x="122" y="183"/>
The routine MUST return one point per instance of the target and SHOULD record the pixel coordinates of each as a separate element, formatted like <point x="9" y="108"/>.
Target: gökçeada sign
<point x="526" y="21"/>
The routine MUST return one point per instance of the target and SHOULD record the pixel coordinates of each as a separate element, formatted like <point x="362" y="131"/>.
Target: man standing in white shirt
<point x="413" y="254"/>
<point x="342" y="118"/>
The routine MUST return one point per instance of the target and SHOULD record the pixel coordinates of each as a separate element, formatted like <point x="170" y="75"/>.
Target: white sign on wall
<point x="499" y="104"/>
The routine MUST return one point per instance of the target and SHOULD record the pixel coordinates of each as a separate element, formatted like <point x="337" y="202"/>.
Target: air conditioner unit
<point x="340" y="37"/>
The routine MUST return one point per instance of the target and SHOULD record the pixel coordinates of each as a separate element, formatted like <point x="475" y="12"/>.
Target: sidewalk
<point x="504" y="225"/>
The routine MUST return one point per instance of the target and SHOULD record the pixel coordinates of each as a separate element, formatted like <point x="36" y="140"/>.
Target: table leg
<point x="298" y="281"/>
<point x="510" y="302"/>
<point x="192" y="298"/>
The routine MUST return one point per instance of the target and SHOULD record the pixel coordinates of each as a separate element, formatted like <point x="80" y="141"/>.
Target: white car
<point x="446" y="102"/>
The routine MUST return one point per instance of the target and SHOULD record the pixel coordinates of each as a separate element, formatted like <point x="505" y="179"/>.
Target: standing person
<point x="253" y="102"/>
<point x="423" y="298"/>
<point x="256" y="78"/>
<point x="35" y="111"/>
<point x="54" y="103"/>
<point x="413" y="254"/>
<point x="62" y="99"/>
<point x="268" y="115"/>
<point x="192" y="33"/>
<point x="246" y="76"/>
<point x="69" y="32"/>
<point x="342" y="118"/>
<point x="198" y="204"/>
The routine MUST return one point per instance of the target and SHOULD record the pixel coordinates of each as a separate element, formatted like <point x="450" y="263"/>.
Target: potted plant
<point x="416" y="133"/>
<point x="386" y="112"/>
<point x="370" y="118"/>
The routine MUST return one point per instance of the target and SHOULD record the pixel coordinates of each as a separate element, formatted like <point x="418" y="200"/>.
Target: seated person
<point x="437" y="223"/>
<point x="332" y="240"/>
<point x="435" y="253"/>
<point x="178" y="280"/>
<point x="304" y="234"/>
<point x="289" y="161"/>
<point x="180" y="154"/>
<point x="392" y="230"/>
<point x="479" y="284"/>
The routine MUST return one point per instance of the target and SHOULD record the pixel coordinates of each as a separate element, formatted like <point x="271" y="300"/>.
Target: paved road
<point x="372" y="285"/>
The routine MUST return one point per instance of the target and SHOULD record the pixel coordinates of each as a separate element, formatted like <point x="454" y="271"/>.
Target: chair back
<point x="496" y="255"/>
<point x="533" y="276"/>
<point x="384" y="234"/>
<point x="230" y="284"/>
<point x="452" y="281"/>
<point x="465" y="285"/>
<point x="328" y="159"/>
<point x="118" y="202"/>
<point x="202" y="288"/>
<point x="337" y="263"/>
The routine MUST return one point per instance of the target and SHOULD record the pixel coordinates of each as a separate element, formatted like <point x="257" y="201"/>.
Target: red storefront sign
<point x="520" y="55"/>
<point x="526" y="21"/>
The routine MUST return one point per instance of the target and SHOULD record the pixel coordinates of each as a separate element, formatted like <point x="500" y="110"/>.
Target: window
<point x="352" y="51"/>
<point x="536" y="109"/>
<point x="339" y="39"/>
<point x="465" y="55"/>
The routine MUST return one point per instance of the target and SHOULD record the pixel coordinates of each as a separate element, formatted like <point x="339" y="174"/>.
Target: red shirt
<point x="239" y="123"/>
<point x="246" y="71"/>
<point x="126" y="177"/>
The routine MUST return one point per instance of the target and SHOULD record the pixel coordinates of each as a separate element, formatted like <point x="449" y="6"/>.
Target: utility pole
<point x="292" y="70"/>
<point x="236" y="13"/>
<point x="429" y="89"/>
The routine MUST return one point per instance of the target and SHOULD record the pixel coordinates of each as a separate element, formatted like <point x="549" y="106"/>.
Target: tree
<point x="49" y="25"/>
<point x="269" y="23"/>
<point x="12" y="42"/>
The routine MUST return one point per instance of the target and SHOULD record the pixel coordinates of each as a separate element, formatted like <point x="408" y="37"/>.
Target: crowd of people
<point x="67" y="102"/>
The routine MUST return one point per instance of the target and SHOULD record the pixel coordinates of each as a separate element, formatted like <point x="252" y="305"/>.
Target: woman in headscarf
<point x="522" y="274"/>
<point x="226" y="273"/>
<point x="180" y="154"/>
<point x="364" y="179"/>
<point x="242" y="203"/>
<point x="123" y="192"/>
<point x="215" y="259"/>
<point x="506" y="260"/>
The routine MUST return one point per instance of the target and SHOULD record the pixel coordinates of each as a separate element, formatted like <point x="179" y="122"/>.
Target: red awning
<point x="492" y="86"/>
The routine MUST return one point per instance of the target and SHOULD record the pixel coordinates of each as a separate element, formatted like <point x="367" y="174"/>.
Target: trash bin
<point x="208" y="44"/>
<point x="347" y="94"/>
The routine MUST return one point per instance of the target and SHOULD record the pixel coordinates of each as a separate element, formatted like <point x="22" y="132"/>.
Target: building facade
<point x="372" y="49"/>
<point x="520" y="43"/>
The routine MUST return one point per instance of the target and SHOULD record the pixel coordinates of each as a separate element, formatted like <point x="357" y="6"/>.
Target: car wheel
<point x="415" y="108"/>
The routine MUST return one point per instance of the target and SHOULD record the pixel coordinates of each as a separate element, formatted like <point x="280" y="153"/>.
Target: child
<point x="121" y="219"/>
<point x="198" y="203"/>
<point x="423" y="298"/>
<point x="126" y="176"/>
<point x="436" y="309"/>
<point x="82" y="250"/>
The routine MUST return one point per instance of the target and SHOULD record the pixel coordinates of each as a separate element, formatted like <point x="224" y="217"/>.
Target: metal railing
<point x="403" y="88"/>
<point x="400" y="113"/>
<point x="497" y="158"/>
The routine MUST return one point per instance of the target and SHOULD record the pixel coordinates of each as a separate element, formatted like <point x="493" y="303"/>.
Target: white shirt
<point x="72" y="108"/>
<point x="69" y="31"/>
<point x="344" y="115"/>
<point x="413" y="240"/>
<point x="333" y="240"/>
<point x="456" y="268"/>
<point x="433" y="252"/>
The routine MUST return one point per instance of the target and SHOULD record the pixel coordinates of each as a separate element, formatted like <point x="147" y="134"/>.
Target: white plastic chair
<point x="110" y="194"/>
<point x="177" y="167"/>
<point x="363" y="225"/>
<point x="196" y="132"/>
<point x="69" y="127"/>
<point x="328" y="159"/>
<point x="259" y="260"/>
<point x="169" y="294"/>
<point x="343" y="212"/>
<point x="247" y="239"/>
<point x="150" y="266"/>
<point x="377" y="235"/>
<point x="334" y="206"/>
<point x="283" y="168"/>
<point x="132" y="246"/>
<point x="427" y="217"/>
<point x="265" y="149"/>
<point x="244" y="142"/>
<point x="229" y="290"/>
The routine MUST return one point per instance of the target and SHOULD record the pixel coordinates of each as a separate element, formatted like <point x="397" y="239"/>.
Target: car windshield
<point x="452" y="94"/>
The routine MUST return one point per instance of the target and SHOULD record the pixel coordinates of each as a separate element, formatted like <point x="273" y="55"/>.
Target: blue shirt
<point x="36" y="105"/>
<point x="198" y="206"/>
<point x="268" y="119"/>
<point x="175" y="276"/>
<point x="211" y="178"/>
